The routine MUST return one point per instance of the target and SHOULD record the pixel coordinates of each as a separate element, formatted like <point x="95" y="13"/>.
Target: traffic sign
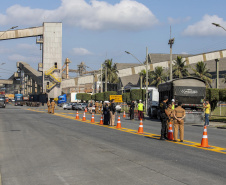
<point x="117" y="98"/>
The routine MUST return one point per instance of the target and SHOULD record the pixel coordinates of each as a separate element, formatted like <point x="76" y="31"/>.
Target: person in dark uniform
<point x="106" y="112"/>
<point x="164" y="117"/>
<point x="131" y="110"/>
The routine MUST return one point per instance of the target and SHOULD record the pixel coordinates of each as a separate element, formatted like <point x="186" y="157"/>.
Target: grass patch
<point x="218" y="118"/>
<point x="217" y="111"/>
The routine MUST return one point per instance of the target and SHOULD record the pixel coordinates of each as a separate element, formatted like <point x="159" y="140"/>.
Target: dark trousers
<point x="131" y="113"/>
<point x="106" y="119"/>
<point x="164" y="126"/>
<point x="140" y="114"/>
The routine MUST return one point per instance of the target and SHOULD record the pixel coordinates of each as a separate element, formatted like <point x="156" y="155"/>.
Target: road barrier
<point x="140" y="129"/>
<point x="118" y="123"/>
<point x="92" y="119"/>
<point x="170" y="132"/>
<point x="204" y="142"/>
<point x="101" y="120"/>
<point x="84" y="116"/>
<point x="124" y="115"/>
<point x="77" y="116"/>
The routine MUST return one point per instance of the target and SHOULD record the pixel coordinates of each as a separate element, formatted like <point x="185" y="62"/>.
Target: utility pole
<point x="171" y="42"/>
<point x="106" y="77"/>
<point x="146" y="107"/>
<point x="101" y="84"/>
<point x="217" y="70"/>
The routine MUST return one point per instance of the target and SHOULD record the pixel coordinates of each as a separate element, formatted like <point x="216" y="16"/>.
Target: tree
<point x="179" y="68"/>
<point x="158" y="76"/>
<point x="112" y="72"/>
<point x="142" y="77"/>
<point x="224" y="80"/>
<point x="202" y="72"/>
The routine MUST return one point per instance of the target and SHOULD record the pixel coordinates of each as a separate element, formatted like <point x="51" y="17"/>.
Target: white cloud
<point x="172" y="21"/>
<point x="81" y="51"/>
<point x="18" y="57"/>
<point x="205" y="27"/>
<point x="95" y="15"/>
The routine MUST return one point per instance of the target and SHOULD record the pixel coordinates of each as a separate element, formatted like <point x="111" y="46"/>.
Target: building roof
<point x="159" y="57"/>
<point x="120" y="66"/>
<point x="130" y="80"/>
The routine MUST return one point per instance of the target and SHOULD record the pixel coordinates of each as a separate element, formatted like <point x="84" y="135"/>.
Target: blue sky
<point x="95" y="30"/>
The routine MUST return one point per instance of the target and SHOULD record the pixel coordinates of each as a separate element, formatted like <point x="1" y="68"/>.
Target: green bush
<point x="99" y="97"/>
<point x="107" y="95"/>
<point x="214" y="98"/>
<point x="93" y="97"/>
<point x="126" y="97"/>
<point x="137" y="94"/>
<point x="208" y="94"/>
<point x="222" y="95"/>
<point x="83" y="97"/>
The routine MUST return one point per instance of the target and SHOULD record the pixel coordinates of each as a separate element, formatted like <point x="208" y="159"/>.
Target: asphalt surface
<point x="45" y="149"/>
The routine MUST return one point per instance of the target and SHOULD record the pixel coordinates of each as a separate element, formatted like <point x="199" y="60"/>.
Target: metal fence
<point x="220" y="110"/>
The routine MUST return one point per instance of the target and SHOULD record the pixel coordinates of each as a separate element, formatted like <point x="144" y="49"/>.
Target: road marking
<point x="146" y="134"/>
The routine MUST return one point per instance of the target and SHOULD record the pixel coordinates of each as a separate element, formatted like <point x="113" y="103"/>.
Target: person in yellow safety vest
<point x="173" y="104"/>
<point x="140" y="110"/>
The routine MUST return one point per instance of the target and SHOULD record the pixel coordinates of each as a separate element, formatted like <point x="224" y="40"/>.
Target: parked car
<point x="67" y="106"/>
<point x="118" y="108"/>
<point x="73" y="106"/>
<point x="80" y="106"/>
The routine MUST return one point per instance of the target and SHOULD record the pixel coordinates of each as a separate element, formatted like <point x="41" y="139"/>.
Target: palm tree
<point x="203" y="73"/>
<point x="224" y="80"/>
<point x="112" y="72"/>
<point x="158" y="76"/>
<point x="142" y="77"/>
<point x="179" y="68"/>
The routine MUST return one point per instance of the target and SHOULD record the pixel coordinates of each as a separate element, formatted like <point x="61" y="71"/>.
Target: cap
<point x="165" y="97"/>
<point x="140" y="100"/>
<point x="173" y="100"/>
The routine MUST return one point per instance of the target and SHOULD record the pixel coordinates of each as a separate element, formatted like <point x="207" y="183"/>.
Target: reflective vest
<point x="173" y="106"/>
<point x="140" y="106"/>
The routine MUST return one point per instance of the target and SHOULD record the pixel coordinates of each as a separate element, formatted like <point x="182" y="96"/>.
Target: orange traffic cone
<point x="85" y="109"/>
<point x="118" y="123"/>
<point x="204" y="142"/>
<point x="140" y="129"/>
<point x="92" y="119"/>
<point x="124" y="115"/>
<point x="101" y="120"/>
<point x="77" y="116"/>
<point x="84" y="116"/>
<point x="170" y="132"/>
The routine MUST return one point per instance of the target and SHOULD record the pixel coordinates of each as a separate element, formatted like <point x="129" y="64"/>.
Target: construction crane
<point x="81" y="69"/>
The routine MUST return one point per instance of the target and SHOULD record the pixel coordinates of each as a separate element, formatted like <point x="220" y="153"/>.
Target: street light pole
<point x="133" y="56"/>
<point x="101" y="85"/>
<point x="217" y="60"/>
<point x="218" y="25"/>
<point x="146" y="74"/>
<point x="146" y="102"/>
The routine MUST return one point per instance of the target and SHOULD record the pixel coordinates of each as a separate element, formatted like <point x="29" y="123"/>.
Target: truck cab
<point x="2" y="101"/>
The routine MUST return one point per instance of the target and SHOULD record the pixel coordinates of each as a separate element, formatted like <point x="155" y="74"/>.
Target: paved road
<point x="39" y="148"/>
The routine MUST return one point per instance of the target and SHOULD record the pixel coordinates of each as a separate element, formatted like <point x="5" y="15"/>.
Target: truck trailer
<point x="190" y="91"/>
